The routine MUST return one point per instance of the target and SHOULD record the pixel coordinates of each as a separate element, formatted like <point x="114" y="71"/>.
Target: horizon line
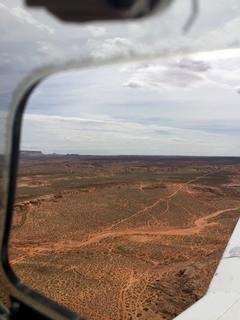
<point x="127" y="155"/>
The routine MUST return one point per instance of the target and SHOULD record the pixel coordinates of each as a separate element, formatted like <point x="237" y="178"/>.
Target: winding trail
<point x="130" y="299"/>
<point x="153" y="205"/>
<point x="122" y="309"/>
<point x="63" y="246"/>
<point x="135" y="234"/>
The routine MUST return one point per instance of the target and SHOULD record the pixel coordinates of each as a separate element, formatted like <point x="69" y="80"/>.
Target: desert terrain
<point x="126" y="237"/>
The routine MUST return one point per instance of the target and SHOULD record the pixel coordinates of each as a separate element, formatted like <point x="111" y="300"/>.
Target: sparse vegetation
<point x="123" y="238"/>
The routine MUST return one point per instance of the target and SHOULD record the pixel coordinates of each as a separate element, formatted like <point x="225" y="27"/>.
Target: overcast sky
<point x="184" y="105"/>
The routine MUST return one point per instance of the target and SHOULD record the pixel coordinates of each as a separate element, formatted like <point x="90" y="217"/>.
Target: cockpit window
<point x="128" y="185"/>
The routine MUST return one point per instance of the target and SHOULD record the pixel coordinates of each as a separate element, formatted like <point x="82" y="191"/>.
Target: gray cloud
<point x="92" y="111"/>
<point x="25" y="17"/>
<point x="183" y="73"/>
<point x="114" y="136"/>
<point x="193" y="65"/>
<point x="220" y="68"/>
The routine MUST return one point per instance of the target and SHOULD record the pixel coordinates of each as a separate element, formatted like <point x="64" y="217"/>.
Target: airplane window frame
<point x="24" y="300"/>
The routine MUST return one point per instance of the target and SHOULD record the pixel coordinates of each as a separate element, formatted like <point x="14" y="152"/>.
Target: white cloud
<point x="226" y="35"/>
<point x="25" y="17"/>
<point x="193" y="65"/>
<point x="114" y="136"/>
<point x="181" y="74"/>
<point x="31" y="38"/>
<point x="220" y="68"/>
<point x="164" y="78"/>
<point x="44" y="118"/>
<point x="113" y="47"/>
<point x="95" y="30"/>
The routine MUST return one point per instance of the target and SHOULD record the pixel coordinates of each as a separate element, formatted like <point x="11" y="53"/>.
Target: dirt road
<point x="134" y="234"/>
<point x="144" y="235"/>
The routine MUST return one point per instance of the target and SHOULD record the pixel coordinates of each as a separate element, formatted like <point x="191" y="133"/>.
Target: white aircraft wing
<point x="222" y="300"/>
